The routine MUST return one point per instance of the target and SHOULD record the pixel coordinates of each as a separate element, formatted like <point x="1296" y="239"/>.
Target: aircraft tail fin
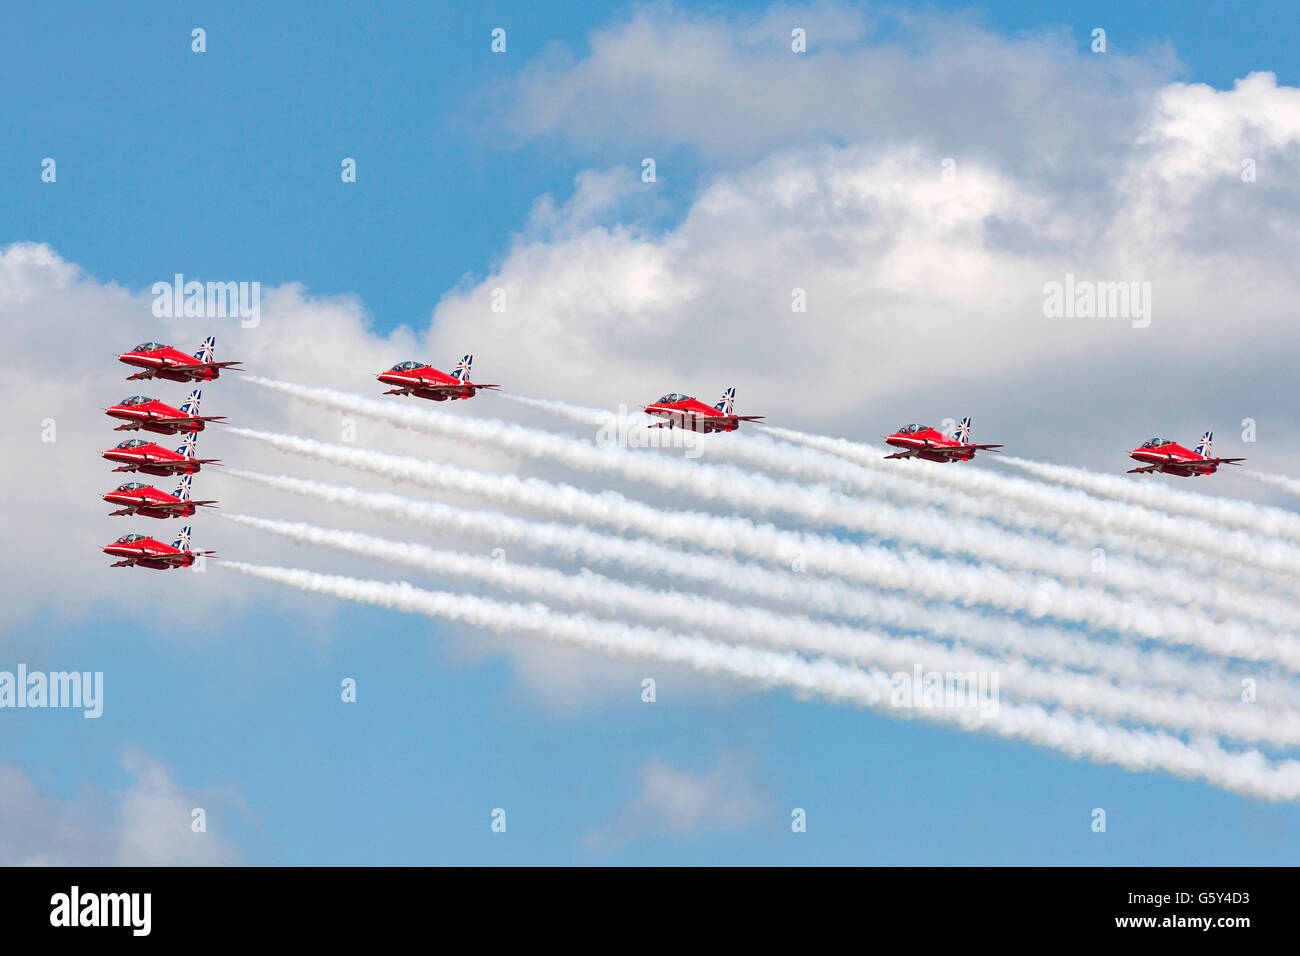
<point x="185" y="490"/>
<point x="191" y="405"/>
<point x="962" y="434"/>
<point x="1204" y="446"/>
<point x="727" y="404"/>
<point x="187" y="447"/>
<point x="204" y="354"/>
<point x="461" y="372"/>
<point x="182" y="542"/>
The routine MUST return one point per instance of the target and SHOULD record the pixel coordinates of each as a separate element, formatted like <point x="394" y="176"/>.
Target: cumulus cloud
<point x="146" y="824"/>
<point x="730" y="87"/>
<point x="676" y="803"/>
<point x="924" y="293"/>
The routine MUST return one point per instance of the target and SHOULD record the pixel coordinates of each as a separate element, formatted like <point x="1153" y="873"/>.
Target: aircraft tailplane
<point x="962" y="434"/>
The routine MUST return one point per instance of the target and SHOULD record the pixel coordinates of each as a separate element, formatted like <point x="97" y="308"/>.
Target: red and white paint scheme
<point x="140" y="411"/>
<point x="137" y="498"/>
<point x="142" y="551"/>
<point x="162" y="361"/>
<point x="922" y="441"/>
<point x="136" y="454"/>
<point x="425" y="381"/>
<point x="682" y="411"/>
<point x="1163" y="455"/>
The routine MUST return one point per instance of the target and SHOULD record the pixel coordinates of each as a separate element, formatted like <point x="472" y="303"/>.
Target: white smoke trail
<point x="592" y="593"/>
<point x="820" y="505"/>
<point x="1115" y="525"/>
<point x="942" y="580"/>
<point x="1246" y="772"/>
<point x="1148" y="535"/>
<point x="830" y="597"/>
<point x="1151" y="493"/>
<point x="1281" y="482"/>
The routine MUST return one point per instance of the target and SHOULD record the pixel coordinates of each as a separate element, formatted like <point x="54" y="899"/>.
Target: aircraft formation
<point x="677" y="410"/>
<point x="421" y="380"/>
<point x="140" y="412"/>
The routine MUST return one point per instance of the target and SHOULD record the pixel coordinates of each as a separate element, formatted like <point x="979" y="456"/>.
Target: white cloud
<point x="147" y="824"/>
<point x="924" y="296"/>
<point x="679" y="804"/>
<point x="731" y="88"/>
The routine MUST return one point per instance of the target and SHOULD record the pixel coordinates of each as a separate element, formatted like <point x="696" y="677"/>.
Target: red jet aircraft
<point x="922" y="441"/>
<point x="163" y="361"/>
<point x="1161" y="454"/>
<point x="424" y="381"/>
<point x="136" y="454"/>
<point x="155" y="416"/>
<point x="138" y="550"/>
<point x="137" y="498"/>
<point x="682" y="411"/>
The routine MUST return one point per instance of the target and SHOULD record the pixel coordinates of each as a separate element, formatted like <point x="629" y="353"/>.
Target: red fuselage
<point x="148" y="552"/>
<point x="930" y="444"/>
<point x="425" y="381"/>
<point x="151" y="459"/>
<point x="168" y="363"/>
<point x="1173" y="459"/>
<point x="149" y="502"/>
<point x="693" y="415"/>
<point x="154" y="416"/>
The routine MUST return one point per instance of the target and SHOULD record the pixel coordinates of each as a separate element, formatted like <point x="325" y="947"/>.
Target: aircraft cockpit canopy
<point x="132" y="486"/>
<point x="1157" y="443"/>
<point x="406" y="366"/>
<point x="913" y="429"/>
<point x="133" y="443"/>
<point x="672" y="397"/>
<point x="149" y="347"/>
<point x="128" y="538"/>
<point x="135" y="400"/>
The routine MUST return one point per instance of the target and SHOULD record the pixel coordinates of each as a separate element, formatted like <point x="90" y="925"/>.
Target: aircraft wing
<point x="746" y="418"/>
<point x="437" y="387"/>
<point x="193" y="368"/>
<point x="1223" y="461"/>
<point x="182" y="556"/>
<point x="182" y="462"/>
<point x="179" y="506"/>
<point x="422" y="387"/>
<point x="972" y="447"/>
<point x="1144" y="469"/>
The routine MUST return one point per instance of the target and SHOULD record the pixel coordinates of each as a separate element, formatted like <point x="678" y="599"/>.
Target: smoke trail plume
<point x="1080" y="693"/>
<point x="952" y="581"/>
<point x="823" y="596"/>
<point x="1247" y="772"/>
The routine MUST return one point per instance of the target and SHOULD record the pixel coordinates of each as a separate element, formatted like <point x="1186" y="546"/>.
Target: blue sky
<point x="226" y="165"/>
